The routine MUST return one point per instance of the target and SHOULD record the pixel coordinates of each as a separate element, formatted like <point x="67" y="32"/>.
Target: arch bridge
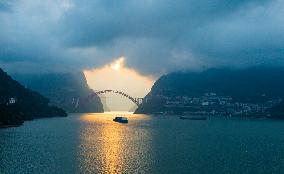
<point x="137" y="101"/>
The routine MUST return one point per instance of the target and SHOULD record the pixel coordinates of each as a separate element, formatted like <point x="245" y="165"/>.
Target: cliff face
<point x="67" y="90"/>
<point x="251" y="85"/>
<point x="18" y="103"/>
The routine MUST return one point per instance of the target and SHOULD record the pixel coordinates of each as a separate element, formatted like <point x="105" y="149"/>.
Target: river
<point x="93" y="143"/>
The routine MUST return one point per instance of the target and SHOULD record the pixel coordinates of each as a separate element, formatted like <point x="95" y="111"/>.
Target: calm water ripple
<point x="93" y="143"/>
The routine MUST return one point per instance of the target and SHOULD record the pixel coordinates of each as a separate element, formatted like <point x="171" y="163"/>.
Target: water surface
<point x="93" y="143"/>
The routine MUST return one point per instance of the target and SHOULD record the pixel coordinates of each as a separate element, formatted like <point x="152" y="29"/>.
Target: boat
<point x="120" y="119"/>
<point x="193" y="117"/>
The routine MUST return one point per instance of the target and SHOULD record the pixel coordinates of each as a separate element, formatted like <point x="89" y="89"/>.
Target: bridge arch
<point x="137" y="101"/>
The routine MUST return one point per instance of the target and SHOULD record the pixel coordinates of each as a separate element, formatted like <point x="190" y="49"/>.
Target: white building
<point x="12" y="100"/>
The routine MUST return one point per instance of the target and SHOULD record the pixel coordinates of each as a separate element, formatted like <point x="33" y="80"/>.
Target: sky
<point x="116" y="76"/>
<point x="154" y="36"/>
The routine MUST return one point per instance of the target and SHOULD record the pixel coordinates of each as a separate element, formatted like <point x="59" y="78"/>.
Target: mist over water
<point x="93" y="143"/>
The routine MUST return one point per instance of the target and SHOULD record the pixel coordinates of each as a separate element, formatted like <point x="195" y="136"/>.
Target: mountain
<point x="18" y="103"/>
<point x="67" y="90"/>
<point x="255" y="85"/>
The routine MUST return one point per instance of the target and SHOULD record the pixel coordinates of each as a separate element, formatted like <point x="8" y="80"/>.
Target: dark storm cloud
<point x="156" y="36"/>
<point x="4" y="5"/>
<point x="103" y="21"/>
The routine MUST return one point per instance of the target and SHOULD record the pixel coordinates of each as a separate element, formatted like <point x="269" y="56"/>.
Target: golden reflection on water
<point x="110" y="147"/>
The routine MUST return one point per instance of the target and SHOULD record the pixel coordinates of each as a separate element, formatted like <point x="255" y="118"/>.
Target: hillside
<point x="256" y="85"/>
<point x="18" y="103"/>
<point x="67" y="90"/>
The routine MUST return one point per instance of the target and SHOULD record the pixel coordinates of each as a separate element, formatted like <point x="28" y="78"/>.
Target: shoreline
<point x="2" y="126"/>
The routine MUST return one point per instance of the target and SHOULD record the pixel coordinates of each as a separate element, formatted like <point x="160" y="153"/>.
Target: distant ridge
<point x="70" y="91"/>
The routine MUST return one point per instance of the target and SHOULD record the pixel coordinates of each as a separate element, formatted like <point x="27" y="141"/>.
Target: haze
<point x="117" y="76"/>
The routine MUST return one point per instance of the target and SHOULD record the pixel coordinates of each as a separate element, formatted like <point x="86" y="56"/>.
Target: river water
<point x="93" y="143"/>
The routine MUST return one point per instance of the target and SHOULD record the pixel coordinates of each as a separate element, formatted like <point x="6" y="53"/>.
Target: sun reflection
<point x="106" y="154"/>
<point x="110" y="147"/>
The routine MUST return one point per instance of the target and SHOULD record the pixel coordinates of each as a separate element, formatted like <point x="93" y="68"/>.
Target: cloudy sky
<point x="154" y="36"/>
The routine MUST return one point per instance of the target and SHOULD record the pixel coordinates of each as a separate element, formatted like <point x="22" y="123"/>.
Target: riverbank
<point x="8" y="126"/>
<point x="2" y="126"/>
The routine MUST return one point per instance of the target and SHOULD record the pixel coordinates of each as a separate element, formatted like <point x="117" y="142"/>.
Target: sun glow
<point x="117" y="76"/>
<point x="117" y="64"/>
